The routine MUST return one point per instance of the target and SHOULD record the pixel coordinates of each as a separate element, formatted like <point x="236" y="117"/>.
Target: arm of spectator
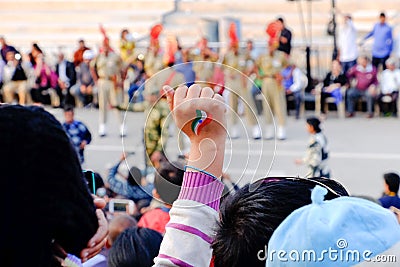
<point x="194" y="214"/>
<point x="87" y="136"/>
<point x="72" y="74"/>
<point x="389" y="40"/>
<point x="116" y="185"/>
<point x="370" y="34"/>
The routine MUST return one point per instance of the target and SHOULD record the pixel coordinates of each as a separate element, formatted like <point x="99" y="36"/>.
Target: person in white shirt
<point x="347" y="44"/>
<point x="389" y="85"/>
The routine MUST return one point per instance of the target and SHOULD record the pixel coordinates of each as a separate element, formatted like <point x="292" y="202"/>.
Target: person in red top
<point x="366" y="85"/>
<point x="78" y="55"/>
<point x="167" y="184"/>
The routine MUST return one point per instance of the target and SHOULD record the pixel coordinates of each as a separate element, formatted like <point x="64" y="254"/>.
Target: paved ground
<point x="361" y="150"/>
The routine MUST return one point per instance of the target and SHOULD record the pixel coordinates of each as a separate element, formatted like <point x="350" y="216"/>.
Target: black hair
<point x="382" y="14"/>
<point x="168" y="180"/>
<point x="280" y="19"/>
<point x="118" y="224"/>
<point x="134" y="176"/>
<point x="249" y="217"/>
<point x="36" y="46"/>
<point x="68" y="108"/>
<point x="135" y="246"/>
<point x="46" y="193"/>
<point x="392" y="180"/>
<point x="314" y="122"/>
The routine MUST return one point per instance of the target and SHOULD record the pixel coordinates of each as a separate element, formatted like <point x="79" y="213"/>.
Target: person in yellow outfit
<point x="127" y="47"/>
<point x="271" y="65"/>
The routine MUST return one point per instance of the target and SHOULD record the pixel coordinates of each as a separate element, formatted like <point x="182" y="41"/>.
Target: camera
<point x="121" y="205"/>
<point x="17" y="56"/>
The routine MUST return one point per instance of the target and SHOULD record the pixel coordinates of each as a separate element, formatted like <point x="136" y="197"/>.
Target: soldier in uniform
<point x="204" y="69"/>
<point x="239" y="86"/>
<point x="156" y="112"/>
<point x="270" y="66"/>
<point x="106" y="70"/>
<point x="153" y="60"/>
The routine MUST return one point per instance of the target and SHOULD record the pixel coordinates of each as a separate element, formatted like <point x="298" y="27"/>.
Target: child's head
<point x="392" y="181"/>
<point x="168" y="181"/>
<point x="69" y="113"/>
<point x="117" y="225"/>
<point x="313" y="125"/>
<point x="249" y="217"/>
<point x="135" y="246"/>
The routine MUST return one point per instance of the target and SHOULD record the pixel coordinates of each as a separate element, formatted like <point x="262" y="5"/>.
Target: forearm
<point x="194" y="216"/>
<point x="208" y="155"/>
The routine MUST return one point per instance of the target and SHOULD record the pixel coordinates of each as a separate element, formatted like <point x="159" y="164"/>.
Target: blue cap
<point x="341" y="232"/>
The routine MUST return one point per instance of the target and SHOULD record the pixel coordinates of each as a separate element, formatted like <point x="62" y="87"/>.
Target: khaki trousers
<point x="240" y="89"/>
<point x="12" y="87"/>
<point x="276" y="100"/>
<point x="107" y="96"/>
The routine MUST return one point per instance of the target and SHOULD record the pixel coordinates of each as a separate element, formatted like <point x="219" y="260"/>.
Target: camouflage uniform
<point x="156" y="129"/>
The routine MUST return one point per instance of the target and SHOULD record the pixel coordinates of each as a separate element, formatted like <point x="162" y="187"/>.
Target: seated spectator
<point x="333" y="82"/>
<point x="366" y="82"/>
<point x="167" y="183"/>
<point x="41" y="172"/>
<point x="136" y="246"/>
<point x="15" y="79"/>
<point x="66" y="73"/>
<point x="248" y="217"/>
<point x="85" y="88"/>
<point x="45" y="77"/>
<point x="390" y="195"/>
<point x="390" y="85"/>
<point x="133" y="186"/>
<point x="135" y="91"/>
<point x="358" y="230"/>
<point x="126" y="46"/>
<point x="5" y="48"/>
<point x="294" y="81"/>
<point x="78" y="133"/>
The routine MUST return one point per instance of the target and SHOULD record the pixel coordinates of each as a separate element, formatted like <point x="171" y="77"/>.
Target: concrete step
<point x="81" y="16"/>
<point x="90" y="5"/>
<point x="282" y="6"/>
